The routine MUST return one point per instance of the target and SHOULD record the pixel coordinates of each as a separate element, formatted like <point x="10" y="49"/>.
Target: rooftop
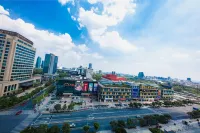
<point x="11" y="33"/>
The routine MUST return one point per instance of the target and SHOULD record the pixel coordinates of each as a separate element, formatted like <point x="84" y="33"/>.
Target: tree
<point x="64" y="107"/>
<point x="29" y="130"/>
<point x="37" y="71"/>
<point x="66" y="128"/>
<point x="57" y="107"/>
<point x="96" y="126"/>
<point x="71" y="106"/>
<point x="62" y="75"/>
<point x="97" y="77"/>
<point x="131" y="105"/>
<point x="86" y="128"/>
<point x="120" y="130"/>
<point x="43" y="128"/>
<point x="113" y="125"/>
<point x="54" y="129"/>
<point x="121" y="123"/>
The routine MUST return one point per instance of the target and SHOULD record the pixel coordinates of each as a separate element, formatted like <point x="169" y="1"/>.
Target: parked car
<point x="19" y="112"/>
<point x="73" y="125"/>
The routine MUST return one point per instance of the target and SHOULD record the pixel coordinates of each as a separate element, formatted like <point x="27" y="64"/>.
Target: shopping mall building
<point x="76" y="86"/>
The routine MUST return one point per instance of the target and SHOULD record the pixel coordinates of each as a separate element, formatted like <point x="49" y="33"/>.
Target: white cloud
<point x="68" y="9"/>
<point x="47" y="42"/>
<point x="112" y="40"/>
<point x="3" y="11"/>
<point x="180" y="55"/>
<point x="113" y="13"/>
<point x="64" y="2"/>
<point x="73" y="18"/>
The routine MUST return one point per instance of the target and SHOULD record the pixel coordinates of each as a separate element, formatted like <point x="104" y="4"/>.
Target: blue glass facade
<point x="50" y="64"/>
<point x="38" y="62"/>
<point x="135" y="92"/>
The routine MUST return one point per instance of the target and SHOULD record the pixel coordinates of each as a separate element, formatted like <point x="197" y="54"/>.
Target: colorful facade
<point x="69" y="87"/>
<point x="114" y="92"/>
<point x="149" y="92"/>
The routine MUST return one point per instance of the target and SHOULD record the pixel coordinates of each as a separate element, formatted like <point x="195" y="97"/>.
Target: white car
<point x="72" y="125"/>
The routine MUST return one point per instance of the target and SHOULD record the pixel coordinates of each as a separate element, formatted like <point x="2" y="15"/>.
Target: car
<point x="65" y="101"/>
<point x="72" y="125"/>
<point x="19" y="112"/>
<point x="90" y="118"/>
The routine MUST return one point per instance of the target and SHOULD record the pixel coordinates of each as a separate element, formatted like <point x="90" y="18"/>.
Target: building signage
<point x="78" y="86"/>
<point x="68" y="84"/>
<point x="85" y="87"/>
<point x="90" y="86"/>
<point x="95" y="87"/>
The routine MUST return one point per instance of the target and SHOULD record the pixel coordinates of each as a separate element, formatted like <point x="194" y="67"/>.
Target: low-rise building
<point x="114" y="92"/>
<point x="149" y="92"/>
<point x="167" y="92"/>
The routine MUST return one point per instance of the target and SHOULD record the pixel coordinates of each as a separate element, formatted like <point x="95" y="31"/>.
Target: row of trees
<point x="135" y="105"/>
<point x="43" y="128"/>
<point x="39" y="98"/>
<point x="9" y="101"/>
<point x="148" y="120"/>
<point x="157" y="104"/>
<point x="194" y="114"/>
<point x="70" y="107"/>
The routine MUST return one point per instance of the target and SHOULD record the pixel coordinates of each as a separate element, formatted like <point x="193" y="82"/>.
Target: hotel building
<point x="16" y="61"/>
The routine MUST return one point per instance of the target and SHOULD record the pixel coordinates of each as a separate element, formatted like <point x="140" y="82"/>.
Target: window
<point x="5" y="89"/>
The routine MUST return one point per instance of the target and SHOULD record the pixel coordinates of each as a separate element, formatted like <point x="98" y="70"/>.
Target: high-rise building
<point x="141" y="75"/>
<point x="38" y="62"/>
<point x="189" y="79"/>
<point x="50" y="64"/>
<point x="16" y="61"/>
<point x="90" y="66"/>
<point x="42" y="64"/>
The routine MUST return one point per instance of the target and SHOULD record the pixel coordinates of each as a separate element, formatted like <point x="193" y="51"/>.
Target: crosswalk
<point x="25" y="123"/>
<point x="13" y="112"/>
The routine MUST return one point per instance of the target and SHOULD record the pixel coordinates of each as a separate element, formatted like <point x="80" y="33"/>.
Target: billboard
<point x="95" y="86"/>
<point x="78" y="86"/>
<point x="90" y="86"/>
<point x="85" y="87"/>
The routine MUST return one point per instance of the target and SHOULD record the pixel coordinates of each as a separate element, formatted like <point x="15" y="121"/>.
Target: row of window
<point x="10" y="88"/>
<point x="24" y="43"/>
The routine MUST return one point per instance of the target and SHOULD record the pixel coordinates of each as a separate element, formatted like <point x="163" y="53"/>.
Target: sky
<point x="159" y="38"/>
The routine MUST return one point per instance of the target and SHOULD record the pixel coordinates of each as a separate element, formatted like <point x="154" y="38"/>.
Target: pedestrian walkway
<point x="13" y="112"/>
<point x="25" y="123"/>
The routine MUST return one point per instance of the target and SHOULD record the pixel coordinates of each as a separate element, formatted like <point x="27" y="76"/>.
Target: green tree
<point x="37" y="71"/>
<point x="129" y="122"/>
<point x="71" y="106"/>
<point x="29" y="130"/>
<point x="121" y="123"/>
<point x="66" y="128"/>
<point x="86" y="128"/>
<point x="64" y="107"/>
<point x="96" y="126"/>
<point x="113" y="125"/>
<point x="43" y="128"/>
<point x="54" y="129"/>
<point x="120" y="130"/>
<point x="131" y="105"/>
<point x="97" y="76"/>
<point x="57" y="107"/>
<point x="62" y="75"/>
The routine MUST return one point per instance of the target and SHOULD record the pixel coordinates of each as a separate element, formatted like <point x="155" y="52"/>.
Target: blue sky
<point x="157" y="37"/>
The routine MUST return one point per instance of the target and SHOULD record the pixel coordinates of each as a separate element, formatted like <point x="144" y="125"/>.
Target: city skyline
<point x="141" y="36"/>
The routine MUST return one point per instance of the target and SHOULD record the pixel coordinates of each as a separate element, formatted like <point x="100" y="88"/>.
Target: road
<point x="8" y="120"/>
<point x="102" y="116"/>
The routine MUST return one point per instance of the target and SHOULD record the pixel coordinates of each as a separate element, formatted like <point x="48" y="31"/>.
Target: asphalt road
<point x="102" y="116"/>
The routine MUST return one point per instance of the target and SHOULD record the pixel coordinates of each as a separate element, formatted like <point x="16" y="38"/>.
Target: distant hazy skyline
<point x="157" y="37"/>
